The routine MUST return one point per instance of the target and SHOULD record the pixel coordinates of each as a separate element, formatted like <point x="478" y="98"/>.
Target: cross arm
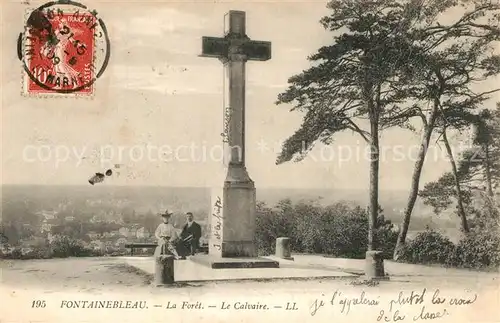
<point x="214" y="47"/>
<point x="257" y="50"/>
<point x="219" y="47"/>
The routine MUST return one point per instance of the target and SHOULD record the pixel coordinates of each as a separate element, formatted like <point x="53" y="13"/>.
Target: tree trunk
<point x="374" y="171"/>
<point x="460" y="204"/>
<point x="373" y="101"/>
<point x="415" y="179"/>
<point x="487" y="169"/>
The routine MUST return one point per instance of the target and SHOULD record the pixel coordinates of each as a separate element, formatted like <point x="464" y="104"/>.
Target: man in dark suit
<point x="191" y="234"/>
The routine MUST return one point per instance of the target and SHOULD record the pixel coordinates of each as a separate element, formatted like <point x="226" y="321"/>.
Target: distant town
<point x="98" y="233"/>
<point x="32" y="219"/>
<point x="104" y="219"/>
<point x="106" y="235"/>
<point x="105" y="231"/>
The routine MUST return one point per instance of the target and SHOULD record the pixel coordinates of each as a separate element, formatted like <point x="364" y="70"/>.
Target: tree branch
<point x="357" y="129"/>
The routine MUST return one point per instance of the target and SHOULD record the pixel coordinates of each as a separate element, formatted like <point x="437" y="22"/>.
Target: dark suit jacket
<point x="194" y="229"/>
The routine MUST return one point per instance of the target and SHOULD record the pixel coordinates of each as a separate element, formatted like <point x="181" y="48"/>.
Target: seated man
<point x="191" y="234"/>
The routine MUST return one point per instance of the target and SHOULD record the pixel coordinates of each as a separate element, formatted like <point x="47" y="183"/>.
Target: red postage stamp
<point x="60" y="51"/>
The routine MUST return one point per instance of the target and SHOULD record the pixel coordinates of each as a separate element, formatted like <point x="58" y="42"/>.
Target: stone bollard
<point x="164" y="270"/>
<point x="283" y="248"/>
<point x="374" y="266"/>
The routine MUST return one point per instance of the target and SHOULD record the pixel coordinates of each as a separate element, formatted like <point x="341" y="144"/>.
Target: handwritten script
<point x="217" y="222"/>
<point x="407" y="306"/>
<point x="227" y="118"/>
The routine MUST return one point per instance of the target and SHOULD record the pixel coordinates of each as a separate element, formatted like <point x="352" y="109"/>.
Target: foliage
<point x="456" y="55"/>
<point x="477" y="172"/>
<point x="64" y="246"/>
<point x="487" y="214"/>
<point x="481" y="164"/>
<point x="480" y="248"/>
<point x="477" y="250"/>
<point x="429" y="247"/>
<point x="338" y="229"/>
<point x="40" y="252"/>
<point x="15" y="253"/>
<point x="441" y="193"/>
<point x="353" y="79"/>
<point x="60" y="247"/>
<point x="384" y="53"/>
<point x="386" y="237"/>
<point x="3" y="238"/>
<point x="390" y="60"/>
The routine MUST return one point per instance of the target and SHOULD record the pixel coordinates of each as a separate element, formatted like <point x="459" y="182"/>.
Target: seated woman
<point x="167" y="237"/>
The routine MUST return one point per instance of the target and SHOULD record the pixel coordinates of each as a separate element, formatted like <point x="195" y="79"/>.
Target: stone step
<point x="225" y="263"/>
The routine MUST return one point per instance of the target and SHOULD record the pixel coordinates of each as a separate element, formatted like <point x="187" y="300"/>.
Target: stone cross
<point x="238" y="201"/>
<point x="234" y="49"/>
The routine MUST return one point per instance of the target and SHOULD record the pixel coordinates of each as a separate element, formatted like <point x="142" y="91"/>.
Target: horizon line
<point x="201" y="187"/>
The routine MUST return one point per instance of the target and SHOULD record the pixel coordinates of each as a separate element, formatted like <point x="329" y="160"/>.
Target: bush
<point x="344" y="231"/>
<point x="64" y="246"/>
<point x="477" y="250"/>
<point x="15" y="253"/>
<point x="38" y="253"/>
<point x="386" y="238"/>
<point x="339" y="229"/>
<point x="41" y="252"/>
<point x="429" y="247"/>
<point x="61" y="246"/>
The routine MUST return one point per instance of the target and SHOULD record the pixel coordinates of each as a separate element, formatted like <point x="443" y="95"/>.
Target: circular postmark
<point x="64" y="49"/>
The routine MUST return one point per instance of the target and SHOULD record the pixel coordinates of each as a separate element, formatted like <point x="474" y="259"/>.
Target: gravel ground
<point x="110" y="279"/>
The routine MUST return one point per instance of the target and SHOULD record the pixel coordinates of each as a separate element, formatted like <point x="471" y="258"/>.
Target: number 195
<point x="38" y="304"/>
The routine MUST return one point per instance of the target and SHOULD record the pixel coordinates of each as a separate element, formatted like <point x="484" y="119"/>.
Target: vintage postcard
<point x="250" y="161"/>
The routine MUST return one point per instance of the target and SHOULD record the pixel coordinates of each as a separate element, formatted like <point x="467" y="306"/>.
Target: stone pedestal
<point x="233" y="218"/>
<point x="164" y="270"/>
<point x="374" y="266"/>
<point x="283" y="249"/>
<point x="232" y="224"/>
<point x="239" y="225"/>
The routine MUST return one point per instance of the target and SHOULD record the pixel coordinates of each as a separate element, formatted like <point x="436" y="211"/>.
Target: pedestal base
<point x="164" y="270"/>
<point x="233" y="216"/>
<point x="226" y="263"/>
<point x="238" y="249"/>
<point x="374" y="266"/>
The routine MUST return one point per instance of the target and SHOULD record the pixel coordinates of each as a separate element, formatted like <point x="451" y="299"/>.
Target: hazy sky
<point x="161" y="105"/>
